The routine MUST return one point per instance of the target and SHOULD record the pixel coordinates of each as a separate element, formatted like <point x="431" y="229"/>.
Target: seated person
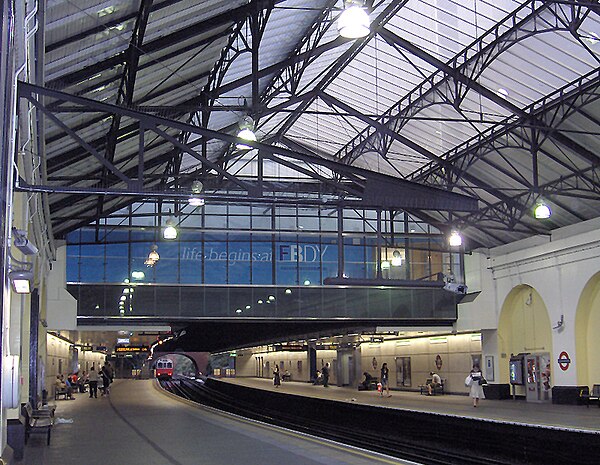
<point x="367" y="381"/>
<point x="60" y="384"/>
<point x="286" y="376"/>
<point x="435" y="382"/>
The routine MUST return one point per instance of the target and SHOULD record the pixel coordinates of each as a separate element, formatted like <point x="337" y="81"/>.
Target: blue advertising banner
<point x="229" y="259"/>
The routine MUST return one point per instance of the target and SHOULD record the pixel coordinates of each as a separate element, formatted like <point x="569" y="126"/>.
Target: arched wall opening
<point x="524" y="326"/>
<point x="183" y="363"/>
<point x="587" y="322"/>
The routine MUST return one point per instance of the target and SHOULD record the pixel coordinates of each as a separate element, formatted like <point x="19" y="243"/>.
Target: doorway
<point x="403" y="378"/>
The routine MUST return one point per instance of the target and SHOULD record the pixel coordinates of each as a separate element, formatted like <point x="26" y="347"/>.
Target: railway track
<point x="352" y="434"/>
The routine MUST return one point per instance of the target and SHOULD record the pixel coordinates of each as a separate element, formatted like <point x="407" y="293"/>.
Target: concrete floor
<point x="138" y="425"/>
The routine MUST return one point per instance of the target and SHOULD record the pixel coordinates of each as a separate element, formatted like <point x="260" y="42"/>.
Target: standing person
<point x="276" y="376"/>
<point x="93" y="382"/>
<point x="325" y="374"/>
<point x="81" y="380"/>
<point x="385" y="380"/>
<point x="109" y="371"/>
<point x="105" y="374"/>
<point x="477" y="382"/>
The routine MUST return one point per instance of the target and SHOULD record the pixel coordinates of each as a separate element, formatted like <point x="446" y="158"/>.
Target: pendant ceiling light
<point x="455" y="239"/>
<point x="353" y="23"/>
<point x="246" y="133"/>
<point x="170" y="232"/>
<point x="396" y="258"/>
<point x="153" y="256"/>
<point x="196" y="199"/>
<point x="541" y="210"/>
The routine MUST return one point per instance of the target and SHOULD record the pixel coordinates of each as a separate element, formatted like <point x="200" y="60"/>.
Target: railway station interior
<point x="205" y="192"/>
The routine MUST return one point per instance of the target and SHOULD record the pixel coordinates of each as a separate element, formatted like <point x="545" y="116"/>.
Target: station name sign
<point x="131" y="349"/>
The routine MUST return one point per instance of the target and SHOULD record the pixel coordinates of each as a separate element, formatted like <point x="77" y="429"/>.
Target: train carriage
<point x="164" y="368"/>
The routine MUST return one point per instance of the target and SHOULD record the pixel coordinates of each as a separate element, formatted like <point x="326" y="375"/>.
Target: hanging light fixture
<point x="353" y="23"/>
<point x="455" y="239"/>
<point x="396" y="258"/>
<point x="170" y="232"/>
<point x="196" y="199"/>
<point x="246" y="132"/>
<point x="153" y="255"/>
<point x="541" y="211"/>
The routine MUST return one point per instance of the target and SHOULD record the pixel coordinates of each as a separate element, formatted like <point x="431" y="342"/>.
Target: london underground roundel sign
<point x="564" y="361"/>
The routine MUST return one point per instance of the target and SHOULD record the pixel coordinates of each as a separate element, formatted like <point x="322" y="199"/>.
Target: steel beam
<point x="126" y="87"/>
<point x="417" y="194"/>
<point x="213" y="23"/>
<point x="342" y="61"/>
<point x="460" y="73"/>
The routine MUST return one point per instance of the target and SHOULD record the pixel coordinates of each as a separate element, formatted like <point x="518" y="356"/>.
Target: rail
<point x="381" y="432"/>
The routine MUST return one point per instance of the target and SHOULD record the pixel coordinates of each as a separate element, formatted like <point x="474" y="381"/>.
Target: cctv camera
<point x="456" y="288"/>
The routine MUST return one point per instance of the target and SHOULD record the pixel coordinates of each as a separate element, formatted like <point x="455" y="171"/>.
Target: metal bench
<point x="38" y="421"/>
<point x="60" y="392"/>
<point x="371" y="386"/>
<point x="586" y="396"/>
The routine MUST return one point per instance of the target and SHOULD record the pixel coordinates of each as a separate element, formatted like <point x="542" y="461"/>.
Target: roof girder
<point x="460" y="73"/>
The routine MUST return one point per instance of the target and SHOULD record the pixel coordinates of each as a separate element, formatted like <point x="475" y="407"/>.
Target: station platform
<point x="570" y="417"/>
<point x="141" y="425"/>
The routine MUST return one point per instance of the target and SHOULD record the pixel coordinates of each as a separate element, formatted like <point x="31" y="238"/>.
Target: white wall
<point x="59" y="360"/>
<point x="456" y="352"/>
<point x="245" y="364"/>
<point x="557" y="267"/>
<point x="61" y="307"/>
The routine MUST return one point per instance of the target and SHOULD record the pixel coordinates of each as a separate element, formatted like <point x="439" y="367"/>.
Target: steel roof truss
<point x="343" y="60"/>
<point x="126" y="88"/>
<point x="107" y="164"/>
<point x="459" y="75"/>
<point x="585" y="88"/>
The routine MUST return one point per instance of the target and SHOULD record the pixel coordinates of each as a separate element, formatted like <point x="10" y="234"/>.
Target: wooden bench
<point x="38" y="421"/>
<point x="60" y="392"/>
<point x="439" y="389"/>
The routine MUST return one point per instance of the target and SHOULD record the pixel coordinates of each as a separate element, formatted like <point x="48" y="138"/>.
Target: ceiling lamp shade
<point x="196" y="199"/>
<point x="542" y="211"/>
<point x="396" y="258"/>
<point x="246" y="133"/>
<point x="153" y="255"/>
<point x="170" y="231"/>
<point x="353" y="23"/>
<point x="455" y="239"/>
<point x="21" y="281"/>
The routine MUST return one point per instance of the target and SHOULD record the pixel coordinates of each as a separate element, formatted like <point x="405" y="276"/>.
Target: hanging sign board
<point x="131" y="349"/>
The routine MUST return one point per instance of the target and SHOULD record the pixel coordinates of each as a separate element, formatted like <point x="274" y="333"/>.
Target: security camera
<point x="22" y="243"/>
<point x="456" y="288"/>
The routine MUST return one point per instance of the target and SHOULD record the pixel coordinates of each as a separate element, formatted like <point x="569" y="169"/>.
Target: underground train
<point x="164" y="368"/>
